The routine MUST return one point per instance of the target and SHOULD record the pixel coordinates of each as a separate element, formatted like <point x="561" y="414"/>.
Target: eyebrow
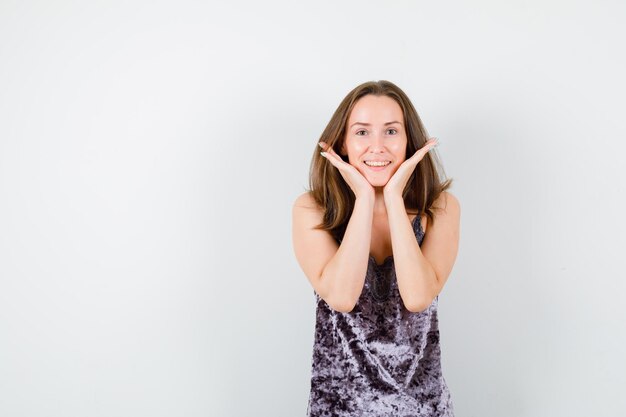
<point x="368" y="124"/>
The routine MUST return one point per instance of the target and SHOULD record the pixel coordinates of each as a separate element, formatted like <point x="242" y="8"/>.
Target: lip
<point x="378" y="168"/>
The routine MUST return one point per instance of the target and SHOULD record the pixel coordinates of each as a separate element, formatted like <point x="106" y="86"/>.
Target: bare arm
<point x="422" y="271"/>
<point x="337" y="273"/>
<point x="345" y="273"/>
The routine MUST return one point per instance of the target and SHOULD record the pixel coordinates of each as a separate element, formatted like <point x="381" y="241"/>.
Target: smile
<point x="377" y="166"/>
<point x="377" y="163"/>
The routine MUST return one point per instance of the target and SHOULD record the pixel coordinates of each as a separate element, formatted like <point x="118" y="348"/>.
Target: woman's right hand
<point x="360" y="186"/>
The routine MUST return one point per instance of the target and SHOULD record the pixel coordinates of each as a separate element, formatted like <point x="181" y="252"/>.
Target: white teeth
<point x="377" y="164"/>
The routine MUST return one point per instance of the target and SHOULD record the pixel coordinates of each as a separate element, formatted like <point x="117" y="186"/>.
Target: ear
<point x="343" y="149"/>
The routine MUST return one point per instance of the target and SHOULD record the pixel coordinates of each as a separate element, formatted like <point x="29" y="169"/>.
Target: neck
<point x="380" y="209"/>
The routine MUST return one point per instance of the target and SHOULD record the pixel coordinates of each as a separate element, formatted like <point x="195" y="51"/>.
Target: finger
<point x="421" y="152"/>
<point x="329" y="157"/>
<point x="325" y="146"/>
<point x="428" y="146"/>
<point x="331" y="154"/>
<point x="333" y="159"/>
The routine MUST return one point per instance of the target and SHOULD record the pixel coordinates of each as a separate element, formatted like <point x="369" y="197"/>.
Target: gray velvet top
<point x="379" y="359"/>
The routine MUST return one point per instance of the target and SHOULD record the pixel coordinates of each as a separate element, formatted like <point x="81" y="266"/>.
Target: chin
<point x="378" y="182"/>
<point x="374" y="179"/>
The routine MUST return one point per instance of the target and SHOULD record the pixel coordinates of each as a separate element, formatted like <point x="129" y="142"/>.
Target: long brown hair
<point x="329" y="189"/>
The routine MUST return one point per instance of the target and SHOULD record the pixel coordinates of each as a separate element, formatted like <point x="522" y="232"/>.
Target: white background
<point x="150" y="152"/>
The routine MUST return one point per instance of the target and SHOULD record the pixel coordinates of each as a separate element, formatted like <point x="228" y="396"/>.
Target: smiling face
<point x="376" y="132"/>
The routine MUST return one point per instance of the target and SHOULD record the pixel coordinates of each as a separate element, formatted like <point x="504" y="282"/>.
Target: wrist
<point x="392" y="197"/>
<point x="365" y="201"/>
<point x="369" y="196"/>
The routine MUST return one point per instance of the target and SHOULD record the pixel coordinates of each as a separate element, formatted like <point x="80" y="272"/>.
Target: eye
<point x="394" y="131"/>
<point x="357" y="133"/>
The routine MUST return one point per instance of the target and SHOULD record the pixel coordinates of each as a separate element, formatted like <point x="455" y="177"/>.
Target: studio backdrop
<point x="151" y="152"/>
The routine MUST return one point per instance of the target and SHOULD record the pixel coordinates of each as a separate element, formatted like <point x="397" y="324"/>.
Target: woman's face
<point x="376" y="132"/>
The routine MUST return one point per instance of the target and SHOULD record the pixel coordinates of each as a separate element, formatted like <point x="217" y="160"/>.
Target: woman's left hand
<point x="398" y="180"/>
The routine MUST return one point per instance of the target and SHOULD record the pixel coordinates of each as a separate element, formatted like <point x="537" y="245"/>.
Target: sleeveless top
<point x="380" y="359"/>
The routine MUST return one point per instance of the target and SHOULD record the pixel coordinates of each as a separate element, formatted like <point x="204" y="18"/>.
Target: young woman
<point x="377" y="236"/>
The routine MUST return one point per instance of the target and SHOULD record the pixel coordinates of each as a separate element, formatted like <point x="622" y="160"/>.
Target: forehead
<point x="375" y="109"/>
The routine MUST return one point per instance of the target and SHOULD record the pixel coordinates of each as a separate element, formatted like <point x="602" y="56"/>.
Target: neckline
<point x="390" y="257"/>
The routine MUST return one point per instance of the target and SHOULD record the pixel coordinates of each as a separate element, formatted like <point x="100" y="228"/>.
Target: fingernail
<point x="323" y="153"/>
<point x="321" y="146"/>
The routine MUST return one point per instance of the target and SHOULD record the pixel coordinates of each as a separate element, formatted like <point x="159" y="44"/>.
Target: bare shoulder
<point x="441" y="244"/>
<point x="446" y="206"/>
<point x="305" y="206"/>
<point x="313" y="248"/>
<point x="448" y="203"/>
<point x="306" y="200"/>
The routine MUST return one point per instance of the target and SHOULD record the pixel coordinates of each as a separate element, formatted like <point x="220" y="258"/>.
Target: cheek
<point x="355" y="151"/>
<point x="400" y="145"/>
<point x="401" y="150"/>
<point x="357" y="147"/>
<point x="396" y="166"/>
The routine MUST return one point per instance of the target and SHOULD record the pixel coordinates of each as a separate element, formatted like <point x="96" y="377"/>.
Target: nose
<point x="377" y="143"/>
